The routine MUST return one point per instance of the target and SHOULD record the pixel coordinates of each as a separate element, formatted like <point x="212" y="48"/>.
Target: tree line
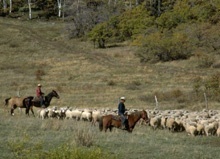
<point x="163" y="30"/>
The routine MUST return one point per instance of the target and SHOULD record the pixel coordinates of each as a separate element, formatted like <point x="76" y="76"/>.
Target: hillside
<point x="35" y="52"/>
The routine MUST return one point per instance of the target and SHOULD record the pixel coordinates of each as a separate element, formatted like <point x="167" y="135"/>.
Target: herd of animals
<point x="205" y="122"/>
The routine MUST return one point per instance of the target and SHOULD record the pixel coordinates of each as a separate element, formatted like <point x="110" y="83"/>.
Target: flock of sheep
<point x="206" y="122"/>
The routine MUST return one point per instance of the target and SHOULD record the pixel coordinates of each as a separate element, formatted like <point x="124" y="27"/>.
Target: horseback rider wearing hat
<point x="121" y="111"/>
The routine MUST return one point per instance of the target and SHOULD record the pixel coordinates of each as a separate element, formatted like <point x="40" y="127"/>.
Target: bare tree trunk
<point x="78" y="6"/>
<point x="4" y="5"/>
<point x="158" y="7"/>
<point x="29" y="6"/>
<point x="10" y="9"/>
<point x="59" y="2"/>
<point x="64" y="5"/>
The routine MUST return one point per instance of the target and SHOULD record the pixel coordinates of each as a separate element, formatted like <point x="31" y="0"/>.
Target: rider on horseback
<point x="40" y="95"/>
<point x="121" y="112"/>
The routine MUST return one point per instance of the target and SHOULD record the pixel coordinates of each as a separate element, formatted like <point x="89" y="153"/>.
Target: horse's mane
<point x="136" y="113"/>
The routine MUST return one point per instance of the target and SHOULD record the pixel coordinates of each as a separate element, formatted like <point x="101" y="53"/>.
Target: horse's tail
<point x="6" y="101"/>
<point x="101" y="124"/>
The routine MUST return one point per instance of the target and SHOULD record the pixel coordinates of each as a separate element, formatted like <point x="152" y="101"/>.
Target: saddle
<point x="118" y="117"/>
<point x="37" y="100"/>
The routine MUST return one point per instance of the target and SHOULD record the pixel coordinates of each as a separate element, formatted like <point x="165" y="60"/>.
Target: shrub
<point x="204" y="60"/>
<point x="161" y="47"/>
<point x="39" y="73"/>
<point x="134" y="85"/>
<point x="84" y="138"/>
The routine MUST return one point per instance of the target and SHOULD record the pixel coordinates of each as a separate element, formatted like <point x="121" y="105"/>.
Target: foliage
<point x="84" y="138"/>
<point x="23" y="150"/>
<point x="160" y="47"/>
<point x="120" y="28"/>
<point x="209" y="85"/>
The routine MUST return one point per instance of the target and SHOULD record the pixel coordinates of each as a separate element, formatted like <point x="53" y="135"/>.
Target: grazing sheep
<point x="86" y="115"/>
<point x="190" y="129"/>
<point x="69" y="114"/>
<point x="43" y="113"/>
<point x="218" y="131"/>
<point x="61" y="114"/>
<point x="163" y="122"/>
<point x="172" y="125"/>
<point x="52" y="112"/>
<point x="200" y="129"/>
<point x="96" y="115"/>
<point x="155" y="122"/>
<point x="76" y="114"/>
<point x="211" y="129"/>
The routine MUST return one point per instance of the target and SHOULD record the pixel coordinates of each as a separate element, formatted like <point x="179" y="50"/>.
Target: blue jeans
<point x="123" y="118"/>
<point x="41" y="100"/>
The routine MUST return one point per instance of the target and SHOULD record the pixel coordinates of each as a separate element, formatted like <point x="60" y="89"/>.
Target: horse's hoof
<point x="12" y="114"/>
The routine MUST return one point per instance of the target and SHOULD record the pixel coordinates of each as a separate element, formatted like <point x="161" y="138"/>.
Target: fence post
<point x="155" y="97"/>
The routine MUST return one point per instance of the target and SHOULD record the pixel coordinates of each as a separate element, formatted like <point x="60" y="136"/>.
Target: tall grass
<point x="29" y="137"/>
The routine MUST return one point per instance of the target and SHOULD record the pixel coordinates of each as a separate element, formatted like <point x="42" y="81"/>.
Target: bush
<point x="84" y="138"/>
<point x="160" y="47"/>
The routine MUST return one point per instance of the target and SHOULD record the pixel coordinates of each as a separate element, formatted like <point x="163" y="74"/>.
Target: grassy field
<point x="35" y="52"/>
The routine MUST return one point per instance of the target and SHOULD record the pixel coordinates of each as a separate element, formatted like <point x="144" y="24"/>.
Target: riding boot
<point x="123" y="127"/>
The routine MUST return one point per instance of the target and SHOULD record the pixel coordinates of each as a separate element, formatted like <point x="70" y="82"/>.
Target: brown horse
<point x="110" y="121"/>
<point x="36" y="103"/>
<point x="15" y="102"/>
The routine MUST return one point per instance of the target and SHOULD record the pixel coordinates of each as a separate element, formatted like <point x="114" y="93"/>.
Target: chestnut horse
<point x="110" y="121"/>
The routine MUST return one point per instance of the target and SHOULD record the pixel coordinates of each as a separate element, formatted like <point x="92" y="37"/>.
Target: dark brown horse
<point x="110" y="121"/>
<point x="36" y="103"/>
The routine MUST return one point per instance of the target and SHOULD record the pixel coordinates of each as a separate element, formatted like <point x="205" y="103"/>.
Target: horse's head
<point x="144" y="116"/>
<point x="55" y="94"/>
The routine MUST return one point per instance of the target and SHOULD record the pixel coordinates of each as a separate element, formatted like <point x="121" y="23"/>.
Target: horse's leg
<point x="12" y="109"/>
<point x="110" y="128"/>
<point x="27" y="111"/>
<point x="32" y="111"/>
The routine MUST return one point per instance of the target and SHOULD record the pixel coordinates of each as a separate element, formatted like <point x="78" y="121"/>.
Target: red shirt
<point x="38" y="92"/>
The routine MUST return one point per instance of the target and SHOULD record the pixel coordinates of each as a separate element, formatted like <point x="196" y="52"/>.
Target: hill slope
<point x="38" y="52"/>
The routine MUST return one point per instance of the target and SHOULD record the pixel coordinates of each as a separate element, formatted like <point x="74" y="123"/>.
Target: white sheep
<point x="86" y="115"/>
<point x="163" y="122"/>
<point x="172" y="125"/>
<point x="76" y="114"/>
<point x="43" y="113"/>
<point x="200" y="129"/>
<point x="218" y="131"/>
<point x="155" y="122"/>
<point x="96" y="115"/>
<point x="211" y="128"/>
<point x="190" y="129"/>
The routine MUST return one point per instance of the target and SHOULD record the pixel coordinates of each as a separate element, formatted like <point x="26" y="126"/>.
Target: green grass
<point x="29" y="137"/>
